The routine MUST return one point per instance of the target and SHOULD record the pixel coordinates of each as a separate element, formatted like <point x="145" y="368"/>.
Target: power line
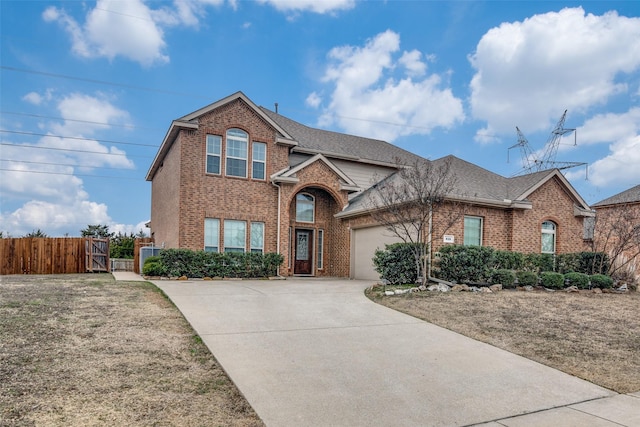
<point x="39" y="116"/>
<point x="72" y="174"/>
<point x="72" y="150"/>
<point x="62" y="164"/>
<point x="107" y="141"/>
<point x="101" y="82"/>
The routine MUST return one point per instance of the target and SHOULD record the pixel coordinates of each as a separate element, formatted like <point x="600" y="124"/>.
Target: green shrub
<point x="567" y="263"/>
<point x="580" y="280"/>
<point x="198" y="264"/>
<point x="601" y="281"/>
<point x="594" y="263"/>
<point x="508" y="260"/>
<point x="527" y="278"/>
<point x="460" y="263"/>
<point x="539" y="262"/>
<point x="153" y="268"/>
<point x="397" y="263"/>
<point x="552" y="280"/>
<point x="504" y="277"/>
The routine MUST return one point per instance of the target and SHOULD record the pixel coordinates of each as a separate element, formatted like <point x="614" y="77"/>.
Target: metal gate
<point x="97" y="252"/>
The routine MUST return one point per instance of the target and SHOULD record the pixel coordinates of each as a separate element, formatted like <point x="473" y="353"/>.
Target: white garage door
<point x="364" y="243"/>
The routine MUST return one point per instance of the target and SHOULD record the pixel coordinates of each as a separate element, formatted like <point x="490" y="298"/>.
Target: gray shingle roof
<point x="339" y="144"/>
<point x="474" y="183"/>
<point x="631" y="195"/>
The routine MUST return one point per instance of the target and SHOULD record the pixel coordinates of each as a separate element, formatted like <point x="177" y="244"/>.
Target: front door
<point x="304" y="247"/>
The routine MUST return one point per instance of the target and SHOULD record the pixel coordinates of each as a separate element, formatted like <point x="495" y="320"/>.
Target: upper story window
<point x="236" y="153"/>
<point x="214" y="145"/>
<point x="473" y="231"/>
<point x="548" y="237"/>
<point x="305" y="207"/>
<point x="259" y="160"/>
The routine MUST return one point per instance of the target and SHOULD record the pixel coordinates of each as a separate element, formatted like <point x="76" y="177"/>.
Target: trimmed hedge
<point x="552" y="280"/>
<point x="580" y="280"/>
<point x="460" y="263"/>
<point x="601" y="281"/>
<point x="199" y="264"/>
<point x="153" y="266"/>
<point x="527" y="278"/>
<point x="397" y="263"/>
<point x="504" y="277"/>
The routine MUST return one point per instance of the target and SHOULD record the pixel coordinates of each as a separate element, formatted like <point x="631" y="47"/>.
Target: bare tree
<point x="407" y="202"/>
<point x="616" y="232"/>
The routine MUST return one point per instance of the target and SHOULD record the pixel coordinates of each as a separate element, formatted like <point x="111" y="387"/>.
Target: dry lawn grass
<point x="82" y="350"/>
<point x="592" y="336"/>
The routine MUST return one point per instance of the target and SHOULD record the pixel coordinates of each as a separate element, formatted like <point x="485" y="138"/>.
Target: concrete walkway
<point x="319" y="353"/>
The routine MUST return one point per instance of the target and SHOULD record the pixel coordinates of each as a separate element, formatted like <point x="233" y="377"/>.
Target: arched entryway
<point x="315" y="234"/>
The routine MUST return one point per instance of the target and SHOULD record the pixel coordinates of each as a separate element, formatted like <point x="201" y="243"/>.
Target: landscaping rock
<point x="422" y="288"/>
<point x="572" y="289"/>
<point x="485" y="290"/>
<point x="495" y="288"/>
<point x="474" y="289"/>
<point x="183" y="278"/>
<point x="623" y="288"/>
<point x="596" y="290"/>
<point x="440" y="287"/>
<point x="460" y="288"/>
<point x="402" y="291"/>
<point x="389" y="293"/>
<point x="527" y="288"/>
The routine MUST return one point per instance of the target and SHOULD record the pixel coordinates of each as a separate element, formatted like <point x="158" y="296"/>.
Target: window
<point x="472" y="231"/>
<point x="548" y="237"/>
<point x="211" y="235"/>
<point x="259" y="157"/>
<point x="257" y="237"/>
<point x="305" y="204"/>
<point x="320" y="243"/>
<point x="214" y="143"/>
<point x="235" y="233"/>
<point x="237" y="141"/>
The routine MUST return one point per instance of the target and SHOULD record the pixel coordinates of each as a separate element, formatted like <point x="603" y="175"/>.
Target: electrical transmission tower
<point x="532" y="162"/>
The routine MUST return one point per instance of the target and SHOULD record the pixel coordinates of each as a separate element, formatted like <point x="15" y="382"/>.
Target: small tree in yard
<point x="616" y="232"/>
<point x="406" y="202"/>
<point x="96" y="230"/>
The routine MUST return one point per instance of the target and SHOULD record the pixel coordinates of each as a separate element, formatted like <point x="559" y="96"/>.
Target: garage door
<point x="364" y="243"/>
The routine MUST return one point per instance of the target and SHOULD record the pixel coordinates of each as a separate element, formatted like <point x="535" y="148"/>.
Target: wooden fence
<point x="53" y="255"/>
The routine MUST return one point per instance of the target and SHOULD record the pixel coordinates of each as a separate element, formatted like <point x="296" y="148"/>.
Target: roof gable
<point x="289" y="174"/>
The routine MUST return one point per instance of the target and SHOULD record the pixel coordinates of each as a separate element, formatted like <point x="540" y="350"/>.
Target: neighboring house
<point x="233" y="176"/>
<point x="617" y="229"/>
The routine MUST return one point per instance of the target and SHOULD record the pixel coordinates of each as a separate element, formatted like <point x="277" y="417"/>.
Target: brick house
<point x="618" y="218"/>
<point x="234" y="176"/>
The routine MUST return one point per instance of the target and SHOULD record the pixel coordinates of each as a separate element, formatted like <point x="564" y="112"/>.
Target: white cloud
<point x="619" y="167"/>
<point x="369" y="99"/>
<point x="46" y="176"/>
<point x="313" y="100"/>
<point x="610" y="127"/>
<point x="138" y="37"/>
<point x="622" y="133"/>
<point x="36" y="99"/>
<point x="412" y="61"/>
<point x="528" y="72"/>
<point x="54" y="218"/>
<point x="316" y="6"/>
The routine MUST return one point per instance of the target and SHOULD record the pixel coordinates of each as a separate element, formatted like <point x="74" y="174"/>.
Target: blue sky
<point x="89" y="89"/>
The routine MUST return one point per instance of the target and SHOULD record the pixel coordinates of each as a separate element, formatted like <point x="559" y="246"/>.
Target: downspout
<point x="278" y="227"/>
<point x="430" y="236"/>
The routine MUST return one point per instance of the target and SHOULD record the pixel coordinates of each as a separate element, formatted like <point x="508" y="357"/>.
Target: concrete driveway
<point x="308" y="352"/>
